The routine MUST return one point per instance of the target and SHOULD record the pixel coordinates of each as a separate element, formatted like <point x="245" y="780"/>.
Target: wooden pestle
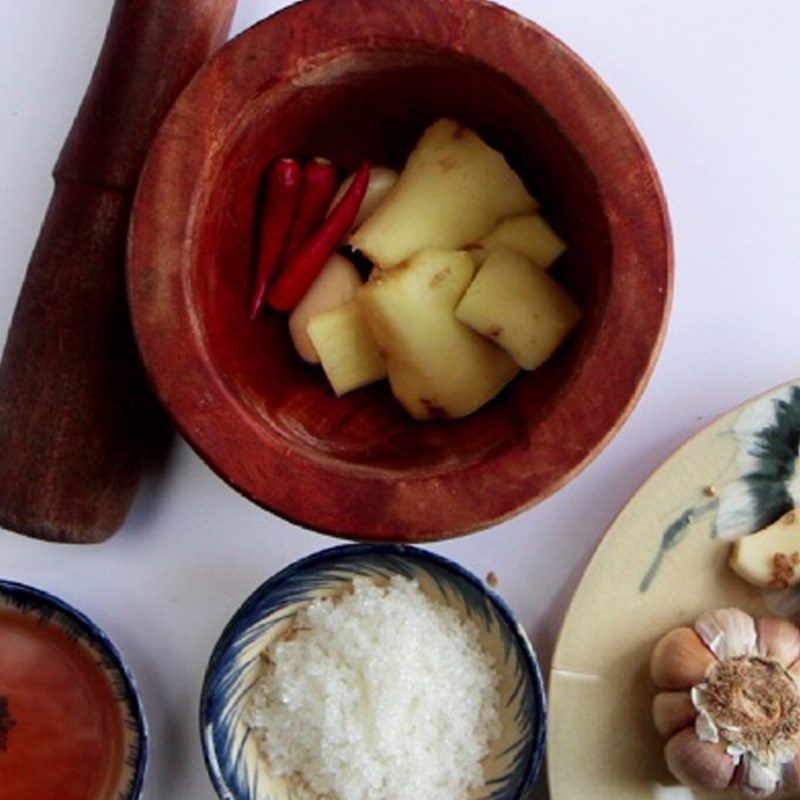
<point x="77" y="419"/>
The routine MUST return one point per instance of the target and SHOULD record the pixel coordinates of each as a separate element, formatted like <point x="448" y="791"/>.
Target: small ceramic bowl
<point x="351" y="80"/>
<point x="112" y="737"/>
<point x="235" y="766"/>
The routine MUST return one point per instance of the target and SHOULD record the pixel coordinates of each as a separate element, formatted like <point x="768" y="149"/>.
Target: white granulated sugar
<point x="381" y="694"/>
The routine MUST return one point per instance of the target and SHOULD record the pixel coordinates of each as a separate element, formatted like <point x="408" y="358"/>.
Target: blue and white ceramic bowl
<point x="235" y="766"/>
<point x="42" y="608"/>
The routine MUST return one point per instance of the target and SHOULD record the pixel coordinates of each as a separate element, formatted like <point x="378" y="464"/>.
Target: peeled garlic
<point x="381" y="181"/>
<point x="672" y="711"/>
<point x="728" y="633"/>
<point x="333" y="287"/>
<point x="701" y="765"/>
<point x="680" y="660"/>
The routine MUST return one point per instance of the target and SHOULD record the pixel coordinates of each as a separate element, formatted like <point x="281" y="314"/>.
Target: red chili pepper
<point x="304" y="266"/>
<point x="281" y="199"/>
<point x="319" y="186"/>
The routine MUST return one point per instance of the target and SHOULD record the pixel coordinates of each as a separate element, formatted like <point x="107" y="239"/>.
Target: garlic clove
<point x="728" y="632"/>
<point x="778" y="640"/>
<point x="755" y="779"/>
<point x="680" y="660"/>
<point x="672" y="711"/>
<point x="381" y="182"/>
<point x="335" y="285"/>
<point x="700" y="765"/>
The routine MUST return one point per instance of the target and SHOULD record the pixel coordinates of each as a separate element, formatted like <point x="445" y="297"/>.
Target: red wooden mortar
<point x="76" y="417"/>
<point x="348" y="80"/>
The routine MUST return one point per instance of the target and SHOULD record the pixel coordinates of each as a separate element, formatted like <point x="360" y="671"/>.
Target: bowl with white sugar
<point x="373" y="672"/>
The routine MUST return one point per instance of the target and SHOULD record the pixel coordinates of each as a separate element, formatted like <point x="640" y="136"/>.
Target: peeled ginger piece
<point x="518" y="305"/>
<point x="453" y="190"/>
<point x="528" y="234"/>
<point x="438" y="368"/>
<point x="347" y="351"/>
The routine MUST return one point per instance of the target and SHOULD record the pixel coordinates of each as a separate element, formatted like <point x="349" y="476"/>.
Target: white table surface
<point x="715" y="90"/>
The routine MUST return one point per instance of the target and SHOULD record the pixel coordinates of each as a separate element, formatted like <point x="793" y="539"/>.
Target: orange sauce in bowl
<point x="61" y="728"/>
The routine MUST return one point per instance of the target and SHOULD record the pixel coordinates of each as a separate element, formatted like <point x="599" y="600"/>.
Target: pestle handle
<point x="77" y="419"/>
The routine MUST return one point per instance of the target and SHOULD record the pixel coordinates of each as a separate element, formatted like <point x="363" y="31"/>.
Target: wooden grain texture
<point x="350" y="80"/>
<point x="77" y="420"/>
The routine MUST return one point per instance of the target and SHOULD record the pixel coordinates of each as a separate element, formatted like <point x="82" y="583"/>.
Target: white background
<point x="714" y="88"/>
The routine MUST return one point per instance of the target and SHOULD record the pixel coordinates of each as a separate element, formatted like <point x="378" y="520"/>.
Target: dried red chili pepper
<point x="304" y="266"/>
<point x="319" y="186"/>
<point x="281" y="200"/>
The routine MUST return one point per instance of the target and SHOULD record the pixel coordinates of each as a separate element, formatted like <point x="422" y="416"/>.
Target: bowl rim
<point x="333" y="555"/>
<point x="388" y="506"/>
<point x="33" y="597"/>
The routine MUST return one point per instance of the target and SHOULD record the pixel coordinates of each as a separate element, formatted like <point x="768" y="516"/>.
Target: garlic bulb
<point x="736" y="718"/>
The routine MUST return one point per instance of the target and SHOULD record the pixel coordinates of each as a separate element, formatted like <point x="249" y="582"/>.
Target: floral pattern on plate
<point x="767" y="485"/>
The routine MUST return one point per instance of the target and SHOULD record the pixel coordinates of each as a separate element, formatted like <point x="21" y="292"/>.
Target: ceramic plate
<point x="663" y="562"/>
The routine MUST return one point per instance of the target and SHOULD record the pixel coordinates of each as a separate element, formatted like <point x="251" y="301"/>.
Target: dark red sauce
<point x="61" y="730"/>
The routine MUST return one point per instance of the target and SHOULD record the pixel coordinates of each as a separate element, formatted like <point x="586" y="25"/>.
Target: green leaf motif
<point x="760" y="496"/>
<point x="763" y="494"/>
